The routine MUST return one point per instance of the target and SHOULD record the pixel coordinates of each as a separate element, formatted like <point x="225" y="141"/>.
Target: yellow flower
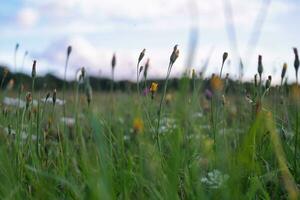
<point x="153" y="87"/>
<point x="216" y="83"/>
<point x="138" y="125"/>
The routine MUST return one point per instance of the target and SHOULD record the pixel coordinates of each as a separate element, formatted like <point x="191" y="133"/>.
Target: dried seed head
<point x="113" y="61"/>
<point x="296" y="62"/>
<point x="141" y="69"/>
<point x="17" y="47"/>
<point x="146" y="68"/>
<point x="33" y="72"/>
<point x="260" y="66"/>
<point x="225" y="55"/>
<point x="142" y="54"/>
<point x="283" y="72"/>
<point x="193" y="74"/>
<point x="255" y="80"/>
<point x="268" y="82"/>
<point x="54" y="97"/>
<point x="28" y="99"/>
<point x="82" y="75"/>
<point x="174" y="55"/>
<point x="69" y="51"/>
<point x="47" y="96"/>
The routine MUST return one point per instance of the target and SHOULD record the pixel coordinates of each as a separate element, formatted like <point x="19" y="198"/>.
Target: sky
<point x="96" y="29"/>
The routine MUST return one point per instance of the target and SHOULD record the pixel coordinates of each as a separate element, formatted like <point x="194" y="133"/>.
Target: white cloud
<point x="27" y="17"/>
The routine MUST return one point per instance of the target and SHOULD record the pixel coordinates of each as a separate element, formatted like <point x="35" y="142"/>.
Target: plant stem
<point x="160" y="106"/>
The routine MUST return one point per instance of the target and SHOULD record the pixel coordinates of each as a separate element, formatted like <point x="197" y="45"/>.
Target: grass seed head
<point x="142" y="54"/>
<point x="113" y="61"/>
<point x="255" y="80"/>
<point x="283" y="72"/>
<point x="47" y="96"/>
<point x="28" y="99"/>
<point x="82" y="75"/>
<point x="69" y="50"/>
<point x="174" y="55"/>
<point x="54" y="97"/>
<point x="147" y="64"/>
<point x="268" y="82"/>
<point x="260" y="66"/>
<point x="141" y="69"/>
<point x="33" y="72"/>
<point x="225" y="56"/>
<point x="296" y="61"/>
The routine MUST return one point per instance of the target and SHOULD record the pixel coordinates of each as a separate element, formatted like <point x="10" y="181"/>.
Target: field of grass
<point x="192" y="143"/>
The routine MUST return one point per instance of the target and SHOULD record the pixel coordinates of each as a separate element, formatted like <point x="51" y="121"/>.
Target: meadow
<point x="211" y="138"/>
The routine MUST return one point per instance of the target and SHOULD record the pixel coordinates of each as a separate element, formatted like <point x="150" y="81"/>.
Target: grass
<point x="176" y="145"/>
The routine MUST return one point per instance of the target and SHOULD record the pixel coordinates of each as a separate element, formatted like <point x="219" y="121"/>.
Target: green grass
<point x="208" y="150"/>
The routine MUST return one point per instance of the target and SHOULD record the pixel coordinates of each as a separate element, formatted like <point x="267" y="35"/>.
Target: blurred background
<point x="202" y="28"/>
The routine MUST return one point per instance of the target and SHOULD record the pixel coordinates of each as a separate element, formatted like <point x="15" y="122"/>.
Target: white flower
<point x="214" y="179"/>
<point x="68" y="120"/>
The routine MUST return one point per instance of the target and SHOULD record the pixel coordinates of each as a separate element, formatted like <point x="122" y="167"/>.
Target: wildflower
<point x="54" y="97"/>
<point x="138" y="125"/>
<point x="215" y="179"/>
<point x="296" y="62"/>
<point x="28" y="99"/>
<point x="146" y="91"/>
<point x="113" y="61"/>
<point x="153" y="88"/>
<point x="142" y="54"/>
<point x="10" y="84"/>
<point x="216" y="83"/>
<point x="260" y="66"/>
<point x="33" y="72"/>
<point x="208" y="94"/>
<point x="283" y="72"/>
<point x="146" y="68"/>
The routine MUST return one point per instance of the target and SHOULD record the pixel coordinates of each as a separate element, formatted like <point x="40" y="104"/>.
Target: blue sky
<point x="97" y="28"/>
